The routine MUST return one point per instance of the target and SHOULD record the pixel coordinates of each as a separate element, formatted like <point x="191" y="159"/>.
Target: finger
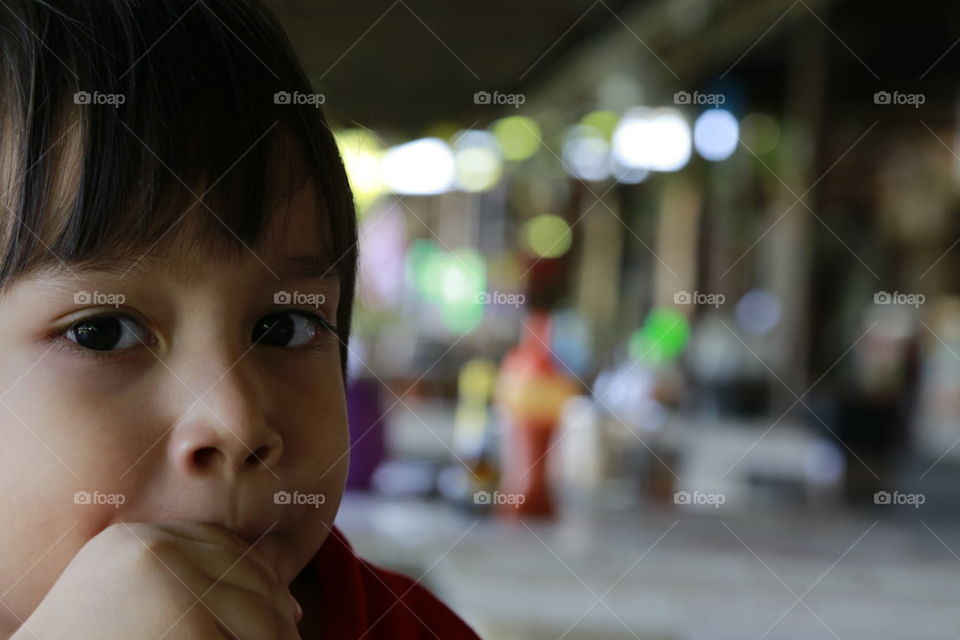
<point x="289" y="630"/>
<point x="248" y="576"/>
<point x="207" y="535"/>
<point x="245" y="615"/>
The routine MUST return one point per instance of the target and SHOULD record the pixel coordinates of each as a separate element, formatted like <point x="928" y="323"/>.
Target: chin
<point x="290" y="552"/>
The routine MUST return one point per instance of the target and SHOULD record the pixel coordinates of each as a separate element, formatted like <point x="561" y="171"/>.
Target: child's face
<point x="169" y="430"/>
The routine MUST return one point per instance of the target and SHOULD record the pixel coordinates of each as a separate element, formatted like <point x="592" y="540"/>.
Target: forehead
<point x="295" y="229"/>
<point x="295" y="242"/>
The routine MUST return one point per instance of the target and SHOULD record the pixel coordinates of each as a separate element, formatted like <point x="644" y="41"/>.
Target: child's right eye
<point x="106" y="333"/>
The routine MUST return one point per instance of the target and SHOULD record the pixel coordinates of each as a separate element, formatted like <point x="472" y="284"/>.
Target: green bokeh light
<point x="452" y="280"/>
<point x="547" y="235"/>
<point x="662" y="337"/>
<point x="518" y="137"/>
<point x="603" y="121"/>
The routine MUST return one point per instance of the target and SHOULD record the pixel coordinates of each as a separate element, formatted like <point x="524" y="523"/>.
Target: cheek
<point x="32" y="558"/>
<point x="319" y="448"/>
<point x="77" y="418"/>
<point x="60" y="469"/>
<point x="319" y="451"/>
<point x="76" y="429"/>
<point x="46" y="519"/>
<point x="310" y="412"/>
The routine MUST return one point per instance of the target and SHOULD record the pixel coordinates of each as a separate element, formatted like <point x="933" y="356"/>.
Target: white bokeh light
<point x="716" y="134"/>
<point x="653" y="139"/>
<point x="758" y="311"/>
<point x="421" y="167"/>
<point x="586" y="152"/>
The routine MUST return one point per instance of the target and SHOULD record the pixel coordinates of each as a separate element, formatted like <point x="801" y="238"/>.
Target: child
<point x="177" y="266"/>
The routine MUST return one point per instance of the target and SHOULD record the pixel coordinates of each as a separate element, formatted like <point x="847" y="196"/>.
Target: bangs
<point x="117" y="115"/>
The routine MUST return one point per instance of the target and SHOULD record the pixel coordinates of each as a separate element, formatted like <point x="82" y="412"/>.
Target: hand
<point x="176" y="579"/>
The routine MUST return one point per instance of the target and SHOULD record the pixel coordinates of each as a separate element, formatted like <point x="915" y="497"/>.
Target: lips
<point x="253" y="532"/>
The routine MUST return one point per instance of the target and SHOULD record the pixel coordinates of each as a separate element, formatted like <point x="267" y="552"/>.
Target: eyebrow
<point x="289" y="267"/>
<point x="308" y="266"/>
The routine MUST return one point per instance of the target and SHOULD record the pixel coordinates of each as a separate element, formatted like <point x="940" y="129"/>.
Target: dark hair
<point x="113" y="111"/>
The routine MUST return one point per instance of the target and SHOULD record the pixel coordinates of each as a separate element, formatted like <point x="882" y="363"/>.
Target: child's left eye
<point x="293" y="328"/>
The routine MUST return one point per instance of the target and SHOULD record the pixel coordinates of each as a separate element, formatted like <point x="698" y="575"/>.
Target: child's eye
<point x="293" y="328"/>
<point x="106" y="333"/>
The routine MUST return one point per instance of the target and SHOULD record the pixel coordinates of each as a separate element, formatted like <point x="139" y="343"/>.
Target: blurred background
<point x="658" y="329"/>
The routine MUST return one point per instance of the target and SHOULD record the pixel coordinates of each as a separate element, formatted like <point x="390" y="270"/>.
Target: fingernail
<point x="299" y="614"/>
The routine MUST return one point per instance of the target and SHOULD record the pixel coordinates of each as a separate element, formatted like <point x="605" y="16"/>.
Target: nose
<point x="226" y="432"/>
<point x="208" y="450"/>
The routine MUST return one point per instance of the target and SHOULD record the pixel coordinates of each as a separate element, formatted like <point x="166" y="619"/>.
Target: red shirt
<point x="358" y="599"/>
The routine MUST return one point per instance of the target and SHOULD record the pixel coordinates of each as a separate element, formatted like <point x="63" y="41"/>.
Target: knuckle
<point x="265" y="579"/>
<point x="261" y="619"/>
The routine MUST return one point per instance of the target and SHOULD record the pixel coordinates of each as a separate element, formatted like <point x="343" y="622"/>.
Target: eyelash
<point x="63" y="343"/>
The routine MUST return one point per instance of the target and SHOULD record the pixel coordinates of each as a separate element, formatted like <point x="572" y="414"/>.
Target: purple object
<point x="367" y="431"/>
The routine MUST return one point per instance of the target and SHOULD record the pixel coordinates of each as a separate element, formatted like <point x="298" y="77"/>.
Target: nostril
<point x="203" y="456"/>
<point x="259" y="456"/>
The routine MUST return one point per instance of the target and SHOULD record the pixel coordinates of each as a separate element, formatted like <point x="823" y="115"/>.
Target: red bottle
<point x="532" y="391"/>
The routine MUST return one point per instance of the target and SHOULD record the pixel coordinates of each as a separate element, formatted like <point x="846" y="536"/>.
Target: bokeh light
<point x="716" y="134"/>
<point x="548" y="236"/>
<point x="362" y="152"/>
<point x="519" y="137"/>
<point x="586" y="152"/>
<point x="603" y="121"/>
<point x="663" y="336"/>
<point x="654" y="139"/>
<point x="625" y="174"/>
<point x="421" y="167"/>
<point x="479" y="165"/>
<point x="758" y="311"/>
<point x="760" y="132"/>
